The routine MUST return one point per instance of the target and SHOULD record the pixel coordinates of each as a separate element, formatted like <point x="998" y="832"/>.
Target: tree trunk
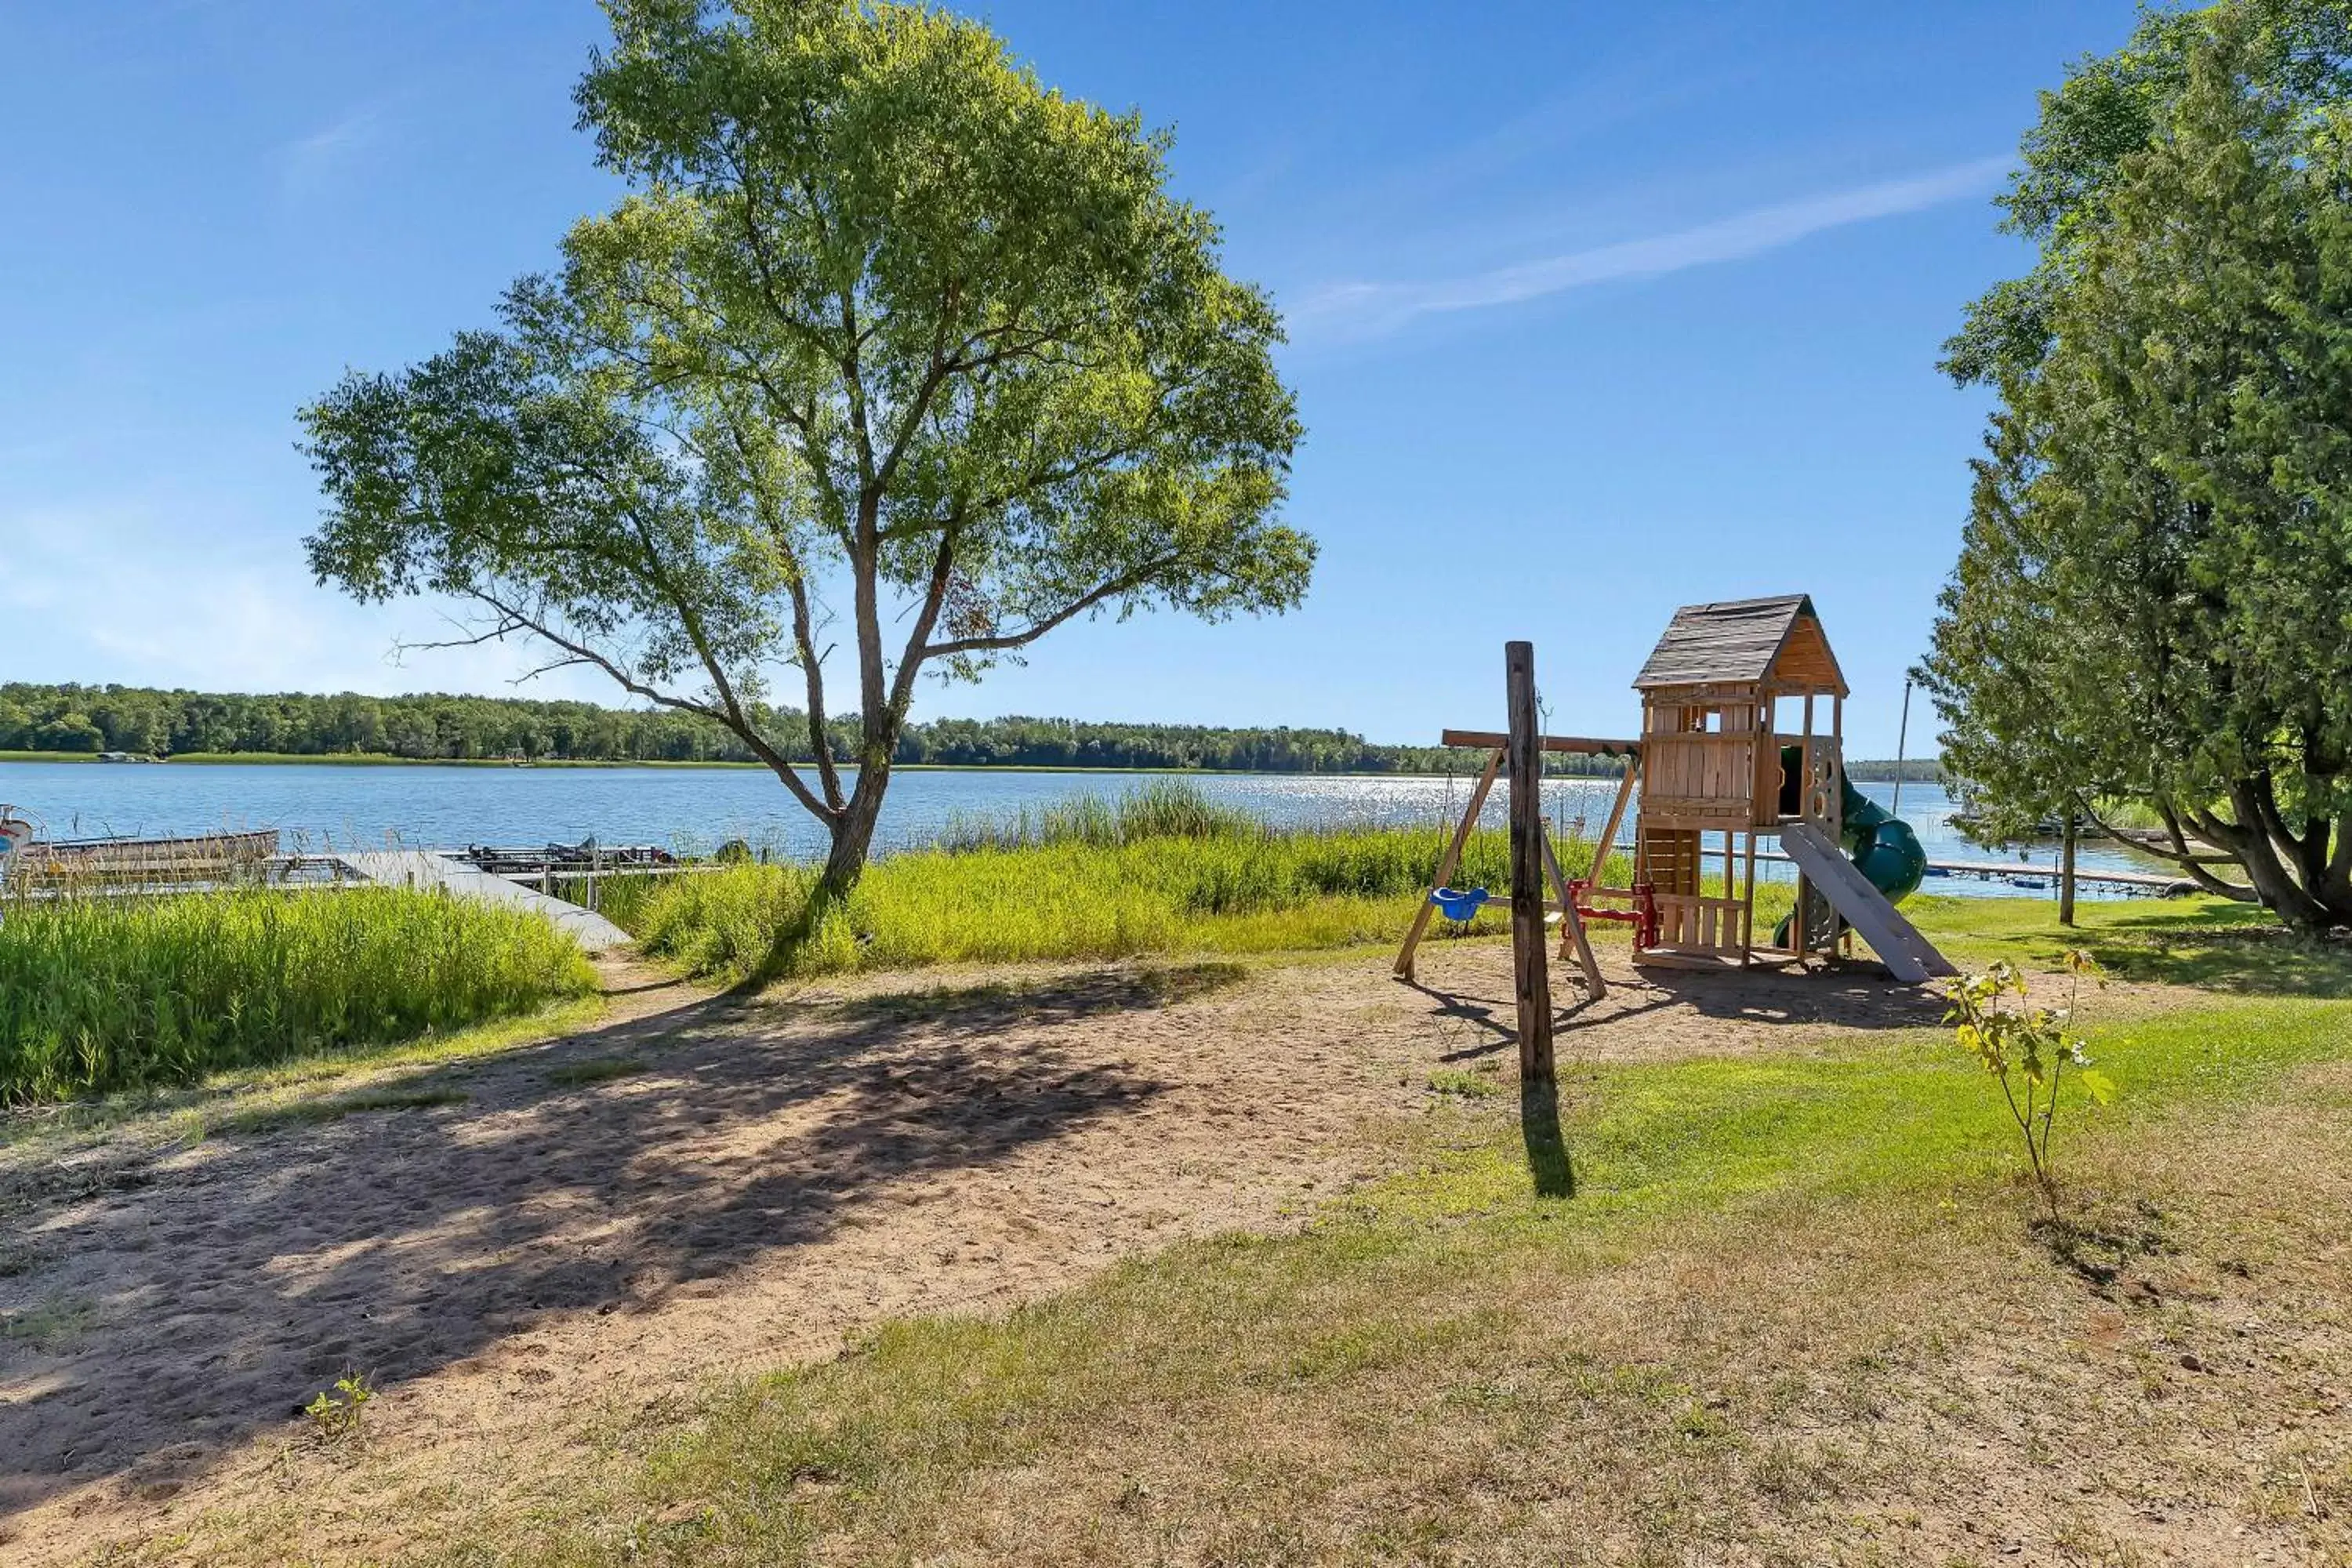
<point x="853" y="832"/>
<point x="2066" y="842"/>
<point x="2273" y="883"/>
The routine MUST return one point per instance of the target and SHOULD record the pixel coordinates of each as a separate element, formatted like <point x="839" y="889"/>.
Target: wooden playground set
<point x="1742" y="714"/>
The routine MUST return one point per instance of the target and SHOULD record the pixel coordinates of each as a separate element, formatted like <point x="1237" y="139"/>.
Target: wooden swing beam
<point x="1574" y="746"/>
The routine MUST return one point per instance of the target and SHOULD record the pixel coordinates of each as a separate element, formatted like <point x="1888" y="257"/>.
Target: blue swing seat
<point x="1459" y="904"/>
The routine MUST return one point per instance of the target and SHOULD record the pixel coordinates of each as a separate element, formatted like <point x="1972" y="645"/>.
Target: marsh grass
<point x="100" y="994"/>
<point x="1161" y="870"/>
<point x="1165" y="808"/>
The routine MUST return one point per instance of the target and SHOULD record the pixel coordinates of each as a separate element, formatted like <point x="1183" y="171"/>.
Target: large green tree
<point x="889" y="345"/>
<point x="2153" y="596"/>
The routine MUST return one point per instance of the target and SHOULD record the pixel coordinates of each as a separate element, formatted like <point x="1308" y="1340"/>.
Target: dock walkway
<point x="423" y="868"/>
<point x="2033" y="874"/>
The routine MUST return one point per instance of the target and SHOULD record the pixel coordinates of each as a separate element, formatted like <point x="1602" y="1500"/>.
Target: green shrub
<point x="102" y="993"/>
<point x="2027" y="1049"/>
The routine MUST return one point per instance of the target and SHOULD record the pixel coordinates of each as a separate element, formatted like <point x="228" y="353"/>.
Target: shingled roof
<point x="1742" y="641"/>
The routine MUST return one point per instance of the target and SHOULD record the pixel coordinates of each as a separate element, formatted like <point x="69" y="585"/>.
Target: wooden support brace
<point x="1572" y="745"/>
<point x="1450" y="861"/>
<point x="1608" y="839"/>
<point x="1572" y="941"/>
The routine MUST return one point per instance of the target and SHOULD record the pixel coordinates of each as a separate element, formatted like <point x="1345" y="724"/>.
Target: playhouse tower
<point x="1735" y="744"/>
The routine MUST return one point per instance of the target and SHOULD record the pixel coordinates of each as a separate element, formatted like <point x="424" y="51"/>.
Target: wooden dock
<point x="426" y="869"/>
<point x="2010" y="870"/>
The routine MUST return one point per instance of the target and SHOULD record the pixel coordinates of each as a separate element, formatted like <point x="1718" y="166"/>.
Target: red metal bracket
<point x="1643" y="917"/>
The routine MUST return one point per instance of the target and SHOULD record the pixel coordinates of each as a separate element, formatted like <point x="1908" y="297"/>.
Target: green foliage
<point x="2148" y="601"/>
<point x="1484" y="1082"/>
<point x="422" y="726"/>
<point x="102" y="993"/>
<point x="2028" y="1050"/>
<point x="68" y="732"/>
<point x="883" y="316"/>
<point x="336" y="1412"/>
<point x="2111" y="109"/>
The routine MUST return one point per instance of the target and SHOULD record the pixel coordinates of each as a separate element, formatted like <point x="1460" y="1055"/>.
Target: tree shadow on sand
<point x="228" y="1280"/>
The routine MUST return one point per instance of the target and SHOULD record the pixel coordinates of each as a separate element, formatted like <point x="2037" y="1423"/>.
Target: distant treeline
<point x="438" y="727"/>
<point x="441" y="727"/>
<point x="1912" y="770"/>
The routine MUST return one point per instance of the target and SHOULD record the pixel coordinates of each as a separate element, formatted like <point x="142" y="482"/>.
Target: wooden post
<point x="2072" y="831"/>
<point x="1532" y="982"/>
<point x="1840" y="938"/>
<point x="1801" y="939"/>
<point x="1748" y="905"/>
<point x="1447" y="862"/>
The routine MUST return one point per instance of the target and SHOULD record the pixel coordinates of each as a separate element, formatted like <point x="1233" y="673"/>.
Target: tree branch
<point x="812" y="671"/>
<point x="935" y="594"/>
<point x="518" y="620"/>
<point x="2194" y="865"/>
<point x="1077" y="606"/>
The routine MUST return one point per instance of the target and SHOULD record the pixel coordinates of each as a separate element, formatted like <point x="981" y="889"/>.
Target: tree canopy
<point x="889" y="344"/>
<point x="2154" y="592"/>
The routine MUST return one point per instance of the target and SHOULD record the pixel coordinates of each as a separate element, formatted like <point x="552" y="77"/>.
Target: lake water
<point x="319" y="806"/>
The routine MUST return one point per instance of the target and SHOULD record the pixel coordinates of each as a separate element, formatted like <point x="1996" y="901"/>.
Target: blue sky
<point x="1596" y="310"/>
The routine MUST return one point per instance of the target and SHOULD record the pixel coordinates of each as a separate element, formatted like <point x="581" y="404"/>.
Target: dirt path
<point x="704" y="1187"/>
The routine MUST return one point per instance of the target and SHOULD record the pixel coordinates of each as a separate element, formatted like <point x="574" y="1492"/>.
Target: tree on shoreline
<point x="882" y="317"/>
<point x="2155" y="588"/>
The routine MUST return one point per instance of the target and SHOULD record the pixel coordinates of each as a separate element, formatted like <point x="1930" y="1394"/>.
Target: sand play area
<point x="515" y="1247"/>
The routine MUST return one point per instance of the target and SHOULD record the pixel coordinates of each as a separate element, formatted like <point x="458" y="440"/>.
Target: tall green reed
<point x="98" y="993"/>
<point x="1161" y="870"/>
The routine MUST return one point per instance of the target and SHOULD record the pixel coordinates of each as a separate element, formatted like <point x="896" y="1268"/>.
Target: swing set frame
<point x="1572" y="903"/>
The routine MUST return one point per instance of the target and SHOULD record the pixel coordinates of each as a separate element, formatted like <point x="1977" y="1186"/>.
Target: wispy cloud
<point x="1368" y="310"/>
<point x="307" y="163"/>
<point x="194" y="592"/>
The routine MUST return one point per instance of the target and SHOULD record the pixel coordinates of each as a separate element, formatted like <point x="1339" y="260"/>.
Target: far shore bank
<point x="1471" y="763"/>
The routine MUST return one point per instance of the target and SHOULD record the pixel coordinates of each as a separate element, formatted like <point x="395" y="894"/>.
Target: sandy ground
<point x="773" y="1175"/>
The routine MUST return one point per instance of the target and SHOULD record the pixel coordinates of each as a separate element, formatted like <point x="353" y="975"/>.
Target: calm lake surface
<point x="319" y="806"/>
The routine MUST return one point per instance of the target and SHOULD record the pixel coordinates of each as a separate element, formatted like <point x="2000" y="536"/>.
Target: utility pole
<point x="1902" y="745"/>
